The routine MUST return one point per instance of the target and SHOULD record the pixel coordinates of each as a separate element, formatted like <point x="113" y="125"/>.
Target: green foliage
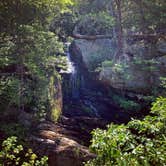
<point x="120" y="68"/>
<point x="8" y="89"/>
<point x="39" y="11"/>
<point x="142" y="16"/>
<point x="63" y="25"/>
<point x="93" y="17"/>
<point x="129" y="105"/>
<point x="14" y="154"/>
<point x="149" y="99"/>
<point x="126" y="104"/>
<point x="14" y="129"/>
<point x="140" y="142"/>
<point x="107" y="63"/>
<point x="136" y="17"/>
<point x="163" y="82"/>
<point x="145" y="16"/>
<point x="54" y="98"/>
<point x="96" y="24"/>
<point x="29" y="53"/>
<point x="159" y="107"/>
<point x="145" y="65"/>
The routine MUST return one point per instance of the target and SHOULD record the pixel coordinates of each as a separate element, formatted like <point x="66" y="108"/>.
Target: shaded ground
<point x="65" y="143"/>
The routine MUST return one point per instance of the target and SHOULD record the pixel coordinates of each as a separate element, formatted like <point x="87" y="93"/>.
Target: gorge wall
<point x="138" y="69"/>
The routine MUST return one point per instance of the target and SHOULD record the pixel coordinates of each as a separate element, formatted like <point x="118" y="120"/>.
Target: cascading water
<point x="74" y="78"/>
<point x="81" y="97"/>
<point x="75" y="89"/>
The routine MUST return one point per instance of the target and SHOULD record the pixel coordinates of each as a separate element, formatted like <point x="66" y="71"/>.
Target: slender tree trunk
<point x="112" y="13"/>
<point x="119" y="28"/>
<point x="20" y="71"/>
<point x="142" y="16"/>
<point x="20" y="54"/>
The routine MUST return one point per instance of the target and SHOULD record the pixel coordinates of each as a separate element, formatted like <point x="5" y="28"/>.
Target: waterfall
<point x="74" y="77"/>
<point x="70" y="65"/>
<point x="74" y="86"/>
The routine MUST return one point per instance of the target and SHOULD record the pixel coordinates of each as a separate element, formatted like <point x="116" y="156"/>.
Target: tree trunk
<point x="119" y="28"/>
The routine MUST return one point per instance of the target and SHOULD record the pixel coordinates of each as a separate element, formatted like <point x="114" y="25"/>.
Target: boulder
<point x="161" y="46"/>
<point x="93" y="52"/>
<point x="60" y="143"/>
<point x="138" y="69"/>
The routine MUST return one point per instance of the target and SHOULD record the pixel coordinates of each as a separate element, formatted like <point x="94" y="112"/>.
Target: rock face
<point x="138" y="69"/>
<point x="62" y="142"/>
<point x="161" y="46"/>
<point x="93" y="51"/>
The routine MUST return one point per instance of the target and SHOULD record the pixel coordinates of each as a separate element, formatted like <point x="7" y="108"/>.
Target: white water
<point x="70" y="65"/>
<point x="73" y="73"/>
<point x="76" y="81"/>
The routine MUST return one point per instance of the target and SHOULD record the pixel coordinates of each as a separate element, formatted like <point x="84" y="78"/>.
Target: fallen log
<point x="91" y="37"/>
<point x="147" y="36"/>
<point x="76" y="35"/>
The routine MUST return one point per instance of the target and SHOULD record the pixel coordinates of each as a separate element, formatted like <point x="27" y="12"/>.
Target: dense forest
<point x="82" y="82"/>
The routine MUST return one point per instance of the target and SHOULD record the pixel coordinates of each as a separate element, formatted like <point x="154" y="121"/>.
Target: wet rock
<point x="161" y="46"/>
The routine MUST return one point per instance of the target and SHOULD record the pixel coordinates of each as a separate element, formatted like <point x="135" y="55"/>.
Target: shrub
<point x="96" y="24"/>
<point x="126" y="104"/>
<point x="139" y="143"/>
<point x="163" y="82"/>
<point x="107" y="63"/>
<point x="14" y="154"/>
<point x="14" y="129"/>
